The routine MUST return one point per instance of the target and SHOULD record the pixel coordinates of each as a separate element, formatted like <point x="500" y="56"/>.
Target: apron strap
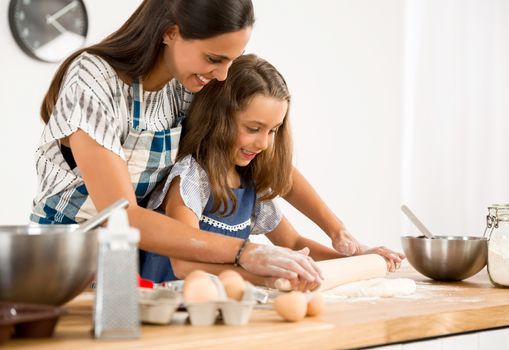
<point x="138" y="107"/>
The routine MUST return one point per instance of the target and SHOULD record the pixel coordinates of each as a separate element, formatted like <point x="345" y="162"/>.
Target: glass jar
<point x="497" y="221"/>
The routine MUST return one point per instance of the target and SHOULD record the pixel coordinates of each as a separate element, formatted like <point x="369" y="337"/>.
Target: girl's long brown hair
<point x="211" y="132"/>
<point x="134" y="48"/>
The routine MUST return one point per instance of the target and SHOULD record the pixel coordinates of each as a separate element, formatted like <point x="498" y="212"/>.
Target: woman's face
<point x="194" y="63"/>
<point x="257" y="125"/>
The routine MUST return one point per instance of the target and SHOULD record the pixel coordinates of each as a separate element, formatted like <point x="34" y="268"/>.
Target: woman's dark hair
<point x="211" y="132"/>
<point x="134" y="48"/>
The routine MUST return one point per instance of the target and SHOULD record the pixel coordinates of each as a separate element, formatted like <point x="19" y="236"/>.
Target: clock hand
<point x="57" y="25"/>
<point x="52" y="18"/>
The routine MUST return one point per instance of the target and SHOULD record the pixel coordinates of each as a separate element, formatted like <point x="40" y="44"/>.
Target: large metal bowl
<point x="446" y="258"/>
<point x="45" y="264"/>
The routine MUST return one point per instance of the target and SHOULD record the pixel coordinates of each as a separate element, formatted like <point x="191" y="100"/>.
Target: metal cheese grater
<point x="116" y="313"/>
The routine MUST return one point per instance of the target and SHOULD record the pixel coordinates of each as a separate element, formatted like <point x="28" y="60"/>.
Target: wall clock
<point x="48" y="30"/>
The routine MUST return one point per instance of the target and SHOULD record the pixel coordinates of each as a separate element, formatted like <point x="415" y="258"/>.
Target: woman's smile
<point x="202" y="80"/>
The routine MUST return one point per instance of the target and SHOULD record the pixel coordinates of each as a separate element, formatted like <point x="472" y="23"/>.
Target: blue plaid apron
<point x="149" y="156"/>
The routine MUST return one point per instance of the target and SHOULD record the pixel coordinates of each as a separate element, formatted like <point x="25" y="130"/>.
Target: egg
<point x="195" y="273"/>
<point x="233" y="283"/>
<point x="291" y="306"/>
<point x="315" y="305"/>
<point x="191" y="276"/>
<point x="200" y="289"/>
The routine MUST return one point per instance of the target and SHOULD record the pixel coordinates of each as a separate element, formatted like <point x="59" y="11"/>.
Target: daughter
<point x="235" y="160"/>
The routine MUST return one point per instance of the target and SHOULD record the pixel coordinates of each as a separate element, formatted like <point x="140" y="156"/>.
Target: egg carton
<point x="158" y="305"/>
<point x="230" y="312"/>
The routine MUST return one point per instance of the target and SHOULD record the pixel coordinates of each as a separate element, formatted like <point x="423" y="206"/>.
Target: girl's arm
<point x="107" y="179"/>
<point x="304" y="198"/>
<point x="286" y="236"/>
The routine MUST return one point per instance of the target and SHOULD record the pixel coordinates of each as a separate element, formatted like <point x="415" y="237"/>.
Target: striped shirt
<point x="94" y="99"/>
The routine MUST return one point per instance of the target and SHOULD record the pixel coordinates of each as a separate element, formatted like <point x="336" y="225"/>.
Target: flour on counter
<point x="375" y="287"/>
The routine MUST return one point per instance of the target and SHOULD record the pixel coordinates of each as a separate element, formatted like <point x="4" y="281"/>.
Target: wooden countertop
<point x="436" y="309"/>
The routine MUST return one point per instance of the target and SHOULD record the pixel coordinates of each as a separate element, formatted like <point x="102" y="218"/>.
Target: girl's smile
<point x="257" y="125"/>
<point x="248" y="155"/>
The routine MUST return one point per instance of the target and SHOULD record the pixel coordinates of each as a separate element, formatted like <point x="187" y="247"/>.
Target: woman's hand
<point x="274" y="261"/>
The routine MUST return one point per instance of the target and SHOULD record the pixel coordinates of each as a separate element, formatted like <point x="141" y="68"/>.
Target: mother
<point x="113" y="117"/>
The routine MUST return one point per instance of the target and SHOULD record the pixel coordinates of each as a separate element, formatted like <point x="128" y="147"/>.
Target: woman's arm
<point x="182" y="268"/>
<point x="107" y="179"/>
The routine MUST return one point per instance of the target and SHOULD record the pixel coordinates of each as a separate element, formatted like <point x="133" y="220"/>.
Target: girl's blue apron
<point x="157" y="268"/>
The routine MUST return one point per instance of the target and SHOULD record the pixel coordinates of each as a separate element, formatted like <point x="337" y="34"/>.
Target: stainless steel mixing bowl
<point x="45" y="264"/>
<point x="446" y="258"/>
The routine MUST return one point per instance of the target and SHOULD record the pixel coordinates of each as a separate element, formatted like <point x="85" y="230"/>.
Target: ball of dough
<point x="315" y="305"/>
<point x="233" y="283"/>
<point x="291" y="306"/>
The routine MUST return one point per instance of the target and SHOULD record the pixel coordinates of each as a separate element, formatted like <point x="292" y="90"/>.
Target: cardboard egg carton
<point x="158" y="305"/>
<point x="230" y="312"/>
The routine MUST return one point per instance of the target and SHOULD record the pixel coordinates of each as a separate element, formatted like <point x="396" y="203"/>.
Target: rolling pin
<point x="344" y="270"/>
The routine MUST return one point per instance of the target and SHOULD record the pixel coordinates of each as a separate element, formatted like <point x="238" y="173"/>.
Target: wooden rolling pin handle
<point x="344" y="270"/>
<point x="283" y="285"/>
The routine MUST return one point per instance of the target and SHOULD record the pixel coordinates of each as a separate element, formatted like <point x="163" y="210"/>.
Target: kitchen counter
<point x="436" y="309"/>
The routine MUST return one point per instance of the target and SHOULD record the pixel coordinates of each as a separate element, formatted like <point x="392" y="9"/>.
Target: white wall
<point x="343" y="62"/>
<point x="24" y="83"/>
<point x="456" y="108"/>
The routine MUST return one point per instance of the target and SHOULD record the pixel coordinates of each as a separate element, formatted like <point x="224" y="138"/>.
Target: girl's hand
<point x="392" y="258"/>
<point x="345" y="244"/>
<point x="274" y="261"/>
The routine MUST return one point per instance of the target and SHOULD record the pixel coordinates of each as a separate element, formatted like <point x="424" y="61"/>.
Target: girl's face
<point x="194" y="63"/>
<point x="257" y="125"/>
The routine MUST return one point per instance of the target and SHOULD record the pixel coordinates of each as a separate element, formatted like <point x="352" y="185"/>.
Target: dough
<point x="375" y="287"/>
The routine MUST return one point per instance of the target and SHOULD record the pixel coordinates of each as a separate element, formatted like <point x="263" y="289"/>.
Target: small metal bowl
<point x="45" y="264"/>
<point x="446" y="258"/>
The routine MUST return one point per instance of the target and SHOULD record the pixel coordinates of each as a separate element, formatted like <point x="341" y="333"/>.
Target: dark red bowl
<point x="27" y="320"/>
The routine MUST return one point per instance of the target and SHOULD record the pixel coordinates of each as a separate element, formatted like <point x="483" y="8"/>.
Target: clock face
<point x="48" y="30"/>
